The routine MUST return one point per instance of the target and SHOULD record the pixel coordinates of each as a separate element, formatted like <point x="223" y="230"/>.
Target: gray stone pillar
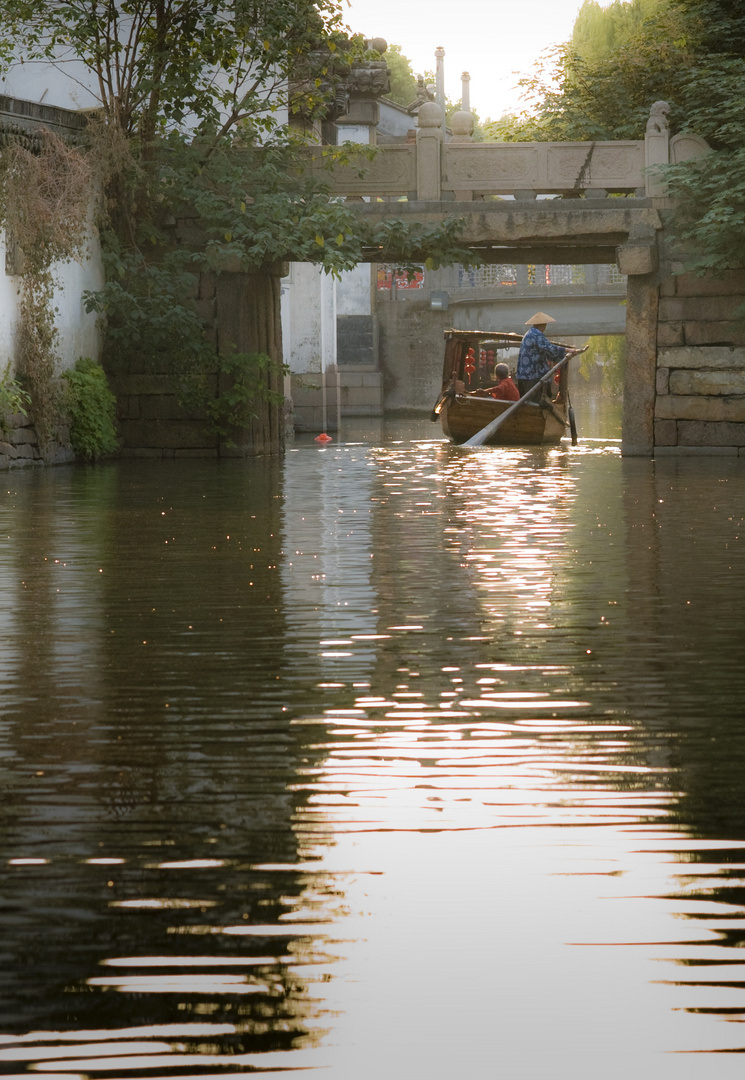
<point x="462" y="122"/>
<point x="642" y="302"/>
<point x="465" y="94"/>
<point x="429" y="138"/>
<point x="440" y="78"/>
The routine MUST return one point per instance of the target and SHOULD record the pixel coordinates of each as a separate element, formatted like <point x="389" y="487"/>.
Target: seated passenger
<point x="504" y="389"/>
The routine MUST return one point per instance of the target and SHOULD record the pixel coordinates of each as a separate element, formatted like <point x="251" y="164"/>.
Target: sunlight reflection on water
<point x="396" y="759"/>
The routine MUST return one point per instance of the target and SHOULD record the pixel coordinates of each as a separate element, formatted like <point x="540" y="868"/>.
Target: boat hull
<point x="530" y="425"/>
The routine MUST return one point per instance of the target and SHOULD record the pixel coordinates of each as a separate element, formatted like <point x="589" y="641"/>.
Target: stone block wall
<point x="358" y="393"/>
<point x="411" y="345"/>
<point x="700" y="378"/>
<point x="241" y="312"/>
<point x="19" y="445"/>
<point x="152" y="423"/>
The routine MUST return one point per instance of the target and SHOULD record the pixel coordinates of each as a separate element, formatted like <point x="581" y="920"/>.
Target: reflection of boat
<point x="464" y="409"/>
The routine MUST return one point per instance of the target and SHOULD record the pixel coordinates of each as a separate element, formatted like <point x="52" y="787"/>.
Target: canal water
<point x="386" y="759"/>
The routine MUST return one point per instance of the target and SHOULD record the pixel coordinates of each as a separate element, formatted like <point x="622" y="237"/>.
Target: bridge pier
<point x="642" y="305"/>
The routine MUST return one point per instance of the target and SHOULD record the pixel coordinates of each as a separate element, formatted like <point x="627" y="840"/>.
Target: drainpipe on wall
<point x="328" y="339"/>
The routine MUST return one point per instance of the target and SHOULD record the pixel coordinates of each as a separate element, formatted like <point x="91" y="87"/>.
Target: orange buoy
<point x="323" y="437"/>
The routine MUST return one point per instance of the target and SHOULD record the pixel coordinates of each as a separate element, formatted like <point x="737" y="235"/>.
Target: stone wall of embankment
<point x="700" y="377"/>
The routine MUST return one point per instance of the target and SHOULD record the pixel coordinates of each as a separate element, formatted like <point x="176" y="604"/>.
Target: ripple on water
<point x="385" y="760"/>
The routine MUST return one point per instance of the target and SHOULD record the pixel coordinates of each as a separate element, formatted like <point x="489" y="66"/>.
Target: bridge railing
<point x="482" y="169"/>
<point x="433" y="168"/>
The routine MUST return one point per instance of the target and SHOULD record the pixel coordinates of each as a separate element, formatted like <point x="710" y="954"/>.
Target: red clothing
<point x="505" y="390"/>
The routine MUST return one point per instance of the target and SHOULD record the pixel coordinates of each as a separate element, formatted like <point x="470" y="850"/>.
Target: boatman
<point x="537" y="353"/>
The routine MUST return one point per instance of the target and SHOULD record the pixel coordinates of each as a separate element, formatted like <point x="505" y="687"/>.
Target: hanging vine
<point x="46" y="189"/>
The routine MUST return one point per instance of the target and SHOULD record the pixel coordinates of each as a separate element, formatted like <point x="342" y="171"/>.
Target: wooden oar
<point x="481" y="436"/>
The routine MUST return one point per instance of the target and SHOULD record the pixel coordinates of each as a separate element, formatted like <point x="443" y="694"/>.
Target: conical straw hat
<point x="539" y="319"/>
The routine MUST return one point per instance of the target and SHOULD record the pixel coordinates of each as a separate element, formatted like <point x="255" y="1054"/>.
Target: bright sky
<point x="488" y="38"/>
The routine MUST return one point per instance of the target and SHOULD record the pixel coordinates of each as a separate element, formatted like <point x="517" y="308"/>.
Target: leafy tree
<point x="601" y="83"/>
<point x="709" y="219"/>
<point x="403" y="80"/>
<point x="598" y="31"/>
<point x="163" y="65"/>
<point x="205" y="106"/>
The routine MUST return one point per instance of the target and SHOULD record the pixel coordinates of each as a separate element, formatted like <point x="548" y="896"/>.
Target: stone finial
<point x="656" y="150"/>
<point x="461" y="125"/>
<point x="657" y="123"/>
<point x="430" y="115"/>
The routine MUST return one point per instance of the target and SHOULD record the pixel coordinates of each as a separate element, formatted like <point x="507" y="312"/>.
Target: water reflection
<point x="391" y="757"/>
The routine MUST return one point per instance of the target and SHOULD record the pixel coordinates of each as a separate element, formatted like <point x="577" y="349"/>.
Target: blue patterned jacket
<point x="537" y="355"/>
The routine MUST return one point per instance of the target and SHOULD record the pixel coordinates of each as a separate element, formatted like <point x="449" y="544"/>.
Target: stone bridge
<point x="584" y="300"/>
<point x="586" y="203"/>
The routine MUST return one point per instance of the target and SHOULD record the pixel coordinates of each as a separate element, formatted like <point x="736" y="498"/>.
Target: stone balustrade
<point x="435" y="168"/>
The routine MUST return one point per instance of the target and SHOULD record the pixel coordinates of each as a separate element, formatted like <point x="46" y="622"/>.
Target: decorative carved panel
<point x="478" y="167"/>
<point x="391" y="172"/>
<point x="605" y="165"/>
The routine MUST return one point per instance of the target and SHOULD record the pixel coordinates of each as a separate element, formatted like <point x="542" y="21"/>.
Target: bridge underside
<point x="577" y="316"/>
<point x="538" y="231"/>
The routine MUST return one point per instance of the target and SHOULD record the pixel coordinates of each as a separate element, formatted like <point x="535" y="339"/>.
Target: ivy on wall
<point x="45" y="199"/>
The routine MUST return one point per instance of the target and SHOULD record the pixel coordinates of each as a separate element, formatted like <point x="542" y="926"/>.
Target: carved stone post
<point x="656" y="149"/>
<point x="429" y="138"/>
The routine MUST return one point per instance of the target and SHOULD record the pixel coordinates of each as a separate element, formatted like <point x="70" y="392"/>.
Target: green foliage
<point x="403" y="80"/>
<point x="601" y="84"/>
<point x="92" y="409"/>
<point x="599" y="31"/>
<point x="709" y="215"/>
<point x="229" y="390"/>
<point x="13" y="398"/>
<point x="604" y="363"/>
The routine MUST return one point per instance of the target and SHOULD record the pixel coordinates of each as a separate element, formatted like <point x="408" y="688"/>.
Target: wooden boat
<point x="463" y="409"/>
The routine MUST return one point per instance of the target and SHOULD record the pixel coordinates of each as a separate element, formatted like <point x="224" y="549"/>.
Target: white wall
<point x="78" y="334"/>
<point x="307" y="315"/>
<point x="68" y="85"/>
<point x="353" y="292"/>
